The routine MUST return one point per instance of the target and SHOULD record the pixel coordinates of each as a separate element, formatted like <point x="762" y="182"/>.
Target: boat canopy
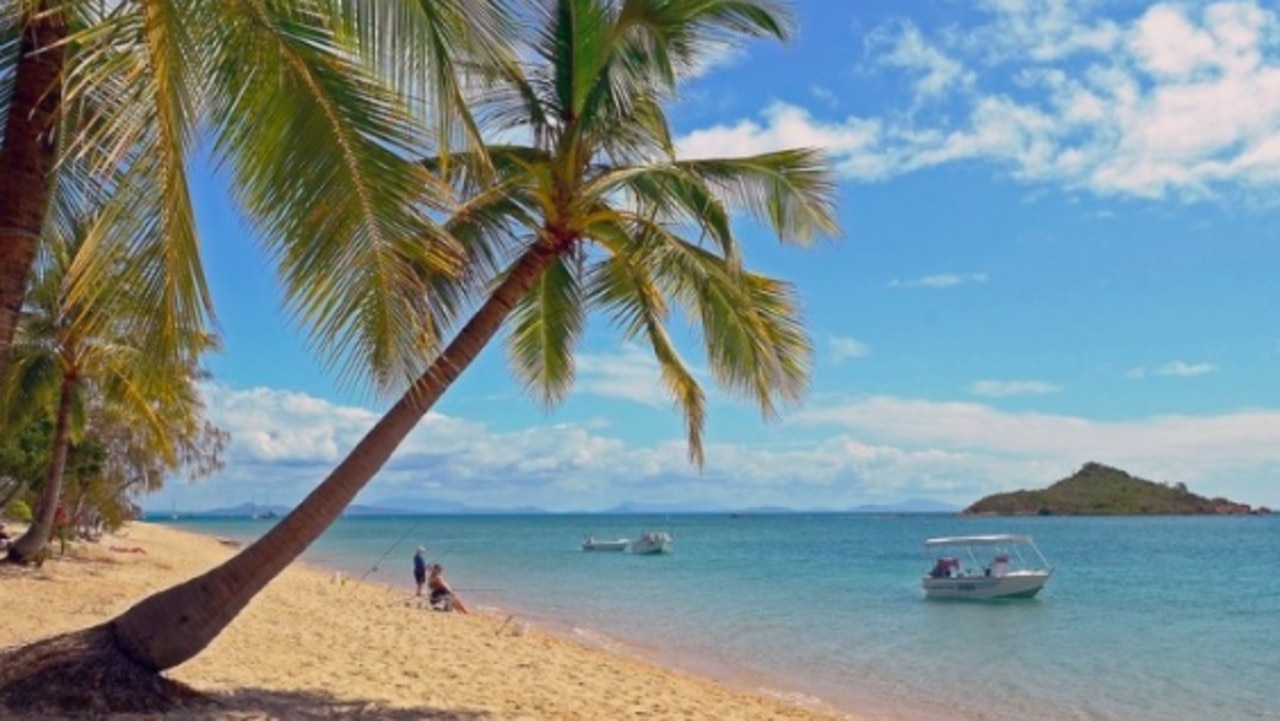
<point x="977" y="540"/>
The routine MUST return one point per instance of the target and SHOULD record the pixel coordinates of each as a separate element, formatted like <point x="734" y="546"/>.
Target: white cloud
<point x="1042" y="30"/>
<point x="825" y="95"/>
<point x="1000" y="389"/>
<point x="631" y="375"/>
<point x="842" y="348"/>
<point x="1185" y="370"/>
<point x="940" y="280"/>
<point x="876" y="449"/>
<point x="907" y="48"/>
<point x="855" y="144"/>
<point x="273" y="426"/>
<point x="1234" y="454"/>
<point x="1183" y="101"/>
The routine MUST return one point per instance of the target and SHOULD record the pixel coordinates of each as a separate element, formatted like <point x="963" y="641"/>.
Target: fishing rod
<point x="387" y="552"/>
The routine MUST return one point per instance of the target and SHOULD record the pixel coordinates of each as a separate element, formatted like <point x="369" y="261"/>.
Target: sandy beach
<point x="313" y="645"/>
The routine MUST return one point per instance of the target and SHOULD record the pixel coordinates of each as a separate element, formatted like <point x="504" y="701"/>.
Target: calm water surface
<point x="1145" y="619"/>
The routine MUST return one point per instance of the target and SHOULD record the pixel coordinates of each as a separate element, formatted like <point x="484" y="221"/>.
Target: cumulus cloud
<point x="1042" y="30"/>
<point x="1182" y="101"/>
<point x="837" y="455"/>
<point x="905" y="47"/>
<point x="1231" y="453"/>
<point x="856" y="145"/>
<point x="630" y="374"/>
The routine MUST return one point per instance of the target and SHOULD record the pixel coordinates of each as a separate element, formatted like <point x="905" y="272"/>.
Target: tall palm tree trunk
<point x="27" y="158"/>
<point x="30" y="546"/>
<point x="114" y="667"/>
<point x="172" y="626"/>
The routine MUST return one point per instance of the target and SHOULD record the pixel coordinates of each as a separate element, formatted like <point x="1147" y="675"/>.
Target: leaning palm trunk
<point x="27" y="159"/>
<point x="174" y="625"/>
<point x="31" y="545"/>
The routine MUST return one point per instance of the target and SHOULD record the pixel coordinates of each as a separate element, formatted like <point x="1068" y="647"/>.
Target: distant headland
<point x="1100" y="490"/>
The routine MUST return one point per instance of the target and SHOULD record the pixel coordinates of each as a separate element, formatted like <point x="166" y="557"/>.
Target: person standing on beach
<point x="420" y="568"/>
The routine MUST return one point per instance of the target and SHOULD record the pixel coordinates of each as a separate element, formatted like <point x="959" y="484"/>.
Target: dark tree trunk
<point x="31" y="545"/>
<point x="174" y="625"/>
<point x="27" y="159"/>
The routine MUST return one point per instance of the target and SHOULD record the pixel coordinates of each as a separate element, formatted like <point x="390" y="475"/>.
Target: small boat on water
<point x="985" y="567"/>
<point x="591" y="543"/>
<point x="651" y="542"/>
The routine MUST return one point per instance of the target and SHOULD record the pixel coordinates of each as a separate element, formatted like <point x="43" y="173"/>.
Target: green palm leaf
<point x="622" y="288"/>
<point x="546" y="327"/>
<point x="129" y="120"/>
<point x="328" y="174"/>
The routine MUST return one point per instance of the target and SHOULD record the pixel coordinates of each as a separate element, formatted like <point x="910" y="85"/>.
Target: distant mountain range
<point x="913" y="505"/>
<point x="400" y="506"/>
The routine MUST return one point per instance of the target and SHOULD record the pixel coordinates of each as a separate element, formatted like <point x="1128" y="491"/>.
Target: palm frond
<point x="546" y="327"/>
<point x="435" y="53"/>
<point x="637" y="134"/>
<point x="325" y="169"/>
<point x="793" y="191"/>
<point x="622" y="288"/>
<point x="573" y="40"/>
<point x="751" y="327"/>
<point x="129" y="117"/>
<point x="489" y="223"/>
<point x="674" y="39"/>
<point x="667" y="195"/>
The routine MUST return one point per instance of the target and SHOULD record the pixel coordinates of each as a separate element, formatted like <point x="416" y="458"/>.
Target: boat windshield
<point x="977" y="540"/>
<point x="993" y="555"/>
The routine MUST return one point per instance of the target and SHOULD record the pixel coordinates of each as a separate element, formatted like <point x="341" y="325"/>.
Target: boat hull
<point x="618" y="545"/>
<point x="651" y="543"/>
<point x="1020" y="585"/>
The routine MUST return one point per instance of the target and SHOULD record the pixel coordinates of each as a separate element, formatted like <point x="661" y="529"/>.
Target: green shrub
<point x="18" y="511"/>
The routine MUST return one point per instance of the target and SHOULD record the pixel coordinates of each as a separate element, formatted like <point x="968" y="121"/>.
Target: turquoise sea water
<point x="1145" y="619"/>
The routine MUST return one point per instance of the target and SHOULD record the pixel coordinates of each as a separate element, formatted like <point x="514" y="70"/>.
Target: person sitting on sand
<point x="442" y="596"/>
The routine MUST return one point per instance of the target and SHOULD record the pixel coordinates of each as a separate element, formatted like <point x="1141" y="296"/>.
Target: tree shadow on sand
<point x="266" y="705"/>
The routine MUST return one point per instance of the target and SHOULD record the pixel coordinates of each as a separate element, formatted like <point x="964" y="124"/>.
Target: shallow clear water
<point x="1145" y="619"/>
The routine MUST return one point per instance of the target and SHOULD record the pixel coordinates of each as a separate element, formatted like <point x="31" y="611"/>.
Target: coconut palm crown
<point x="597" y="198"/>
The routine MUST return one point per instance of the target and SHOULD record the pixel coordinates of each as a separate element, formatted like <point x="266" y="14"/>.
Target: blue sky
<point x="1061" y="244"/>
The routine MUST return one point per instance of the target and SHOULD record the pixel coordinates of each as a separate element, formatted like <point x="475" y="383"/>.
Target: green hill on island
<point x="1099" y="490"/>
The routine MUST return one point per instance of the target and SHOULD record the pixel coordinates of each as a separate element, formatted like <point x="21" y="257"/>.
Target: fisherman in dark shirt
<point x="420" y="568"/>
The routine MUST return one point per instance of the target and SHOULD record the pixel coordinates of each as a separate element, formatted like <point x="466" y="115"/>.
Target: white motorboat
<point x="591" y="543"/>
<point x="651" y="542"/>
<point x="985" y="567"/>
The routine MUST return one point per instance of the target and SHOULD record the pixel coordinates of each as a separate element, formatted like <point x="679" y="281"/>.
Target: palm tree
<point x="317" y="107"/>
<point x="594" y="212"/>
<point x="66" y="354"/>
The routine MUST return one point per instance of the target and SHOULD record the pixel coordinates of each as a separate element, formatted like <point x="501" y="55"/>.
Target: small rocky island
<point x="1100" y="490"/>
